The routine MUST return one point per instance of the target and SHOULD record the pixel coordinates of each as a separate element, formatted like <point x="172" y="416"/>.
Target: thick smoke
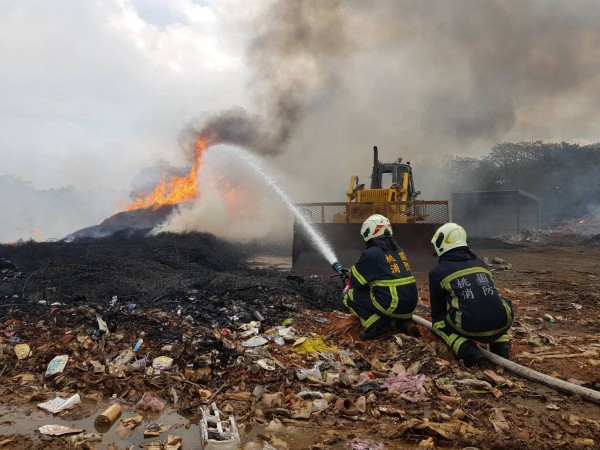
<point x="292" y="58"/>
<point x="422" y="80"/>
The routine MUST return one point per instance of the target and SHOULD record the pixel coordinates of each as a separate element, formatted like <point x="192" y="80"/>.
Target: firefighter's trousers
<point x="456" y="341"/>
<point x="360" y="304"/>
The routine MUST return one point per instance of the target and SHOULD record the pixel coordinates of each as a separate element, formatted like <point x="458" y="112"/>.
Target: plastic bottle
<point x="138" y="344"/>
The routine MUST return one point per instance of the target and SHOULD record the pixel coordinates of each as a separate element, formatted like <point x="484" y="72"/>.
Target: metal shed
<point x="496" y="213"/>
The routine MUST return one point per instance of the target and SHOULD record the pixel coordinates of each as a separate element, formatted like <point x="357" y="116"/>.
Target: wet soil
<point x="187" y="297"/>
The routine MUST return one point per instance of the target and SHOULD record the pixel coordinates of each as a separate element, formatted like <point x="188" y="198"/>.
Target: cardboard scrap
<point x="126" y="426"/>
<point x="173" y="442"/>
<point x="3" y="442"/>
<point x="154" y="429"/>
<point x="499" y="421"/>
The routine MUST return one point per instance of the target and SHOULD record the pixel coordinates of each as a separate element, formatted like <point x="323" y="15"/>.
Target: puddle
<point x="14" y="420"/>
<point x="26" y="423"/>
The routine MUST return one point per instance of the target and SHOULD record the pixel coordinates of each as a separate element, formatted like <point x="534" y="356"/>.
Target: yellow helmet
<point x="449" y="236"/>
<point x="375" y="226"/>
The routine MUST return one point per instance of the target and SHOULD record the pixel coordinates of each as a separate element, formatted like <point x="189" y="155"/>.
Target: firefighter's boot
<point x="471" y="354"/>
<point x="501" y="349"/>
<point x="376" y="330"/>
<point x="400" y="325"/>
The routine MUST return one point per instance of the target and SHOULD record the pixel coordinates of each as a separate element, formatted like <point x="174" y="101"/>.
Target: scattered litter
<point x="138" y="344"/>
<point x="255" y="341"/>
<point x="80" y="439"/>
<point x="151" y="403"/>
<point x="58" y="404"/>
<point x="347" y="407"/>
<point x="476" y="384"/>
<point x="368" y="387"/>
<point x="313" y="344"/>
<point x="162" y="363"/>
<point x="126" y="426"/>
<point x="22" y="351"/>
<point x="498" y="420"/>
<point x="102" y="324"/>
<point x="364" y="444"/>
<point x="409" y="386"/>
<point x="109" y="415"/>
<point x="155" y="429"/>
<point x="249" y="329"/>
<point x="552" y="406"/>
<point x="303" y="374"/>
<point x="286" y="333"/>
<point x="266" y="364"/>
<point x="218" y="434"/>
<point x="58" y="430"/>
<point x="549" y="318"/>
<point x="173" y="442"/>
<point x="549" y="339"/>
<point x="57" y="365"/>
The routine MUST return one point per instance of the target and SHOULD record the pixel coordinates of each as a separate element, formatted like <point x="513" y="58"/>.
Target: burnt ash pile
<point x="584" y="232"/>
<point x="194" y="276"/>
<point x="138" y="222"/>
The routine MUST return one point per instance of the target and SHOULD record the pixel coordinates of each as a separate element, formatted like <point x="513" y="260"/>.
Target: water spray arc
<point x="318" y="240"/>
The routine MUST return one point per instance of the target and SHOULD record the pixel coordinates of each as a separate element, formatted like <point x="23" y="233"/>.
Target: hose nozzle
<point x="337" y="267"/>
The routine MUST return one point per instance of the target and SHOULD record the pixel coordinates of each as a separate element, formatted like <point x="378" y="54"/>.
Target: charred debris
<point x="196" y="275"/>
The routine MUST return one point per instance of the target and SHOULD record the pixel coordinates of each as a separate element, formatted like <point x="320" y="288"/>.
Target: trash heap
<point x="584" y="231"/>
<point x="258" y="368"/>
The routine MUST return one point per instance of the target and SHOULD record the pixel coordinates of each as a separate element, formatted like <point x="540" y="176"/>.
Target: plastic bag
<point x="150" y="403"/>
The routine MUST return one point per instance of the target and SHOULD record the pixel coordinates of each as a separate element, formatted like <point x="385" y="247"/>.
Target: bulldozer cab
<point x="397" y="170"/>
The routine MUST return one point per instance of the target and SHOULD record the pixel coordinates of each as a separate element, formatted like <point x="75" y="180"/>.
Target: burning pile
<point x="176" y="189"/>
<point x="584" y="231"/>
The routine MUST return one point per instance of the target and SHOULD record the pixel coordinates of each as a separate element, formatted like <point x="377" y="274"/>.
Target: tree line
<point x="565" y="176"/>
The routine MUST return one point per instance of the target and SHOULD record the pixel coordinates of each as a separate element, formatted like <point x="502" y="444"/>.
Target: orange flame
<point x="175" y="190"/>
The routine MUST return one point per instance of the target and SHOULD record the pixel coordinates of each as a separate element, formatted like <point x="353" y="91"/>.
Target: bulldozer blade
<point x="347" y="244"/>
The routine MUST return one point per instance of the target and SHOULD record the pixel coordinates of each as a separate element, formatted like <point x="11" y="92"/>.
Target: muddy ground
<point x="191" y="297"/>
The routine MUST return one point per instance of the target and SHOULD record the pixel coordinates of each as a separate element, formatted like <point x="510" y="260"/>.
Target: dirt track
<point x="203" y="299"/>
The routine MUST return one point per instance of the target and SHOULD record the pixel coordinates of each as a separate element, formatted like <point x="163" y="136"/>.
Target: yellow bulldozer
<point x="413" y="221"/>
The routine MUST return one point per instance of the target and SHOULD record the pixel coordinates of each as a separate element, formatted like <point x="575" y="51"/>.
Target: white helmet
<point x="375" y="226"/>
<point x="449" y="236"/>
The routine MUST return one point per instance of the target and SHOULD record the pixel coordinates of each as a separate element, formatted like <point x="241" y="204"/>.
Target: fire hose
<point x="555" y="383"/>
<point x="560" y="385"/>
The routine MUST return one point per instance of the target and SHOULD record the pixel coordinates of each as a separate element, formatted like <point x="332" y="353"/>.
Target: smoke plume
<point x="292" y="58"/>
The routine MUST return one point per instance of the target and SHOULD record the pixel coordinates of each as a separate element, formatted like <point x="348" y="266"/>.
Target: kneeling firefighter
<point x="465" y="305"/>
<point x="382" y="292"/>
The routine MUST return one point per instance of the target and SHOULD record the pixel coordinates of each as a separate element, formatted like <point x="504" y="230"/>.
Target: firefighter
<point x="465" y="305"/>
<point x="382" y="292"/>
